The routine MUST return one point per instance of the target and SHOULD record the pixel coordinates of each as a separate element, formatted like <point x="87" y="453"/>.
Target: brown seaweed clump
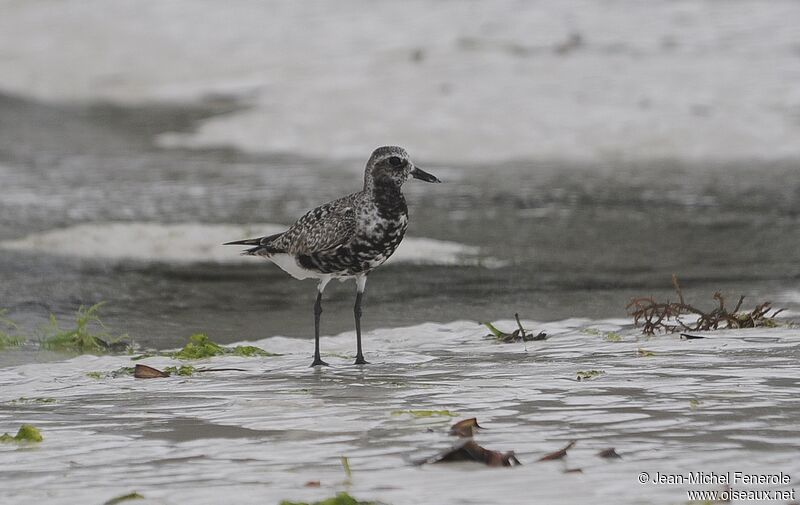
<point x="670" y="317"/>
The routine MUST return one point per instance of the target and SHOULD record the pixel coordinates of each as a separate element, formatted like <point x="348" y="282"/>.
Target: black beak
<point x="423" y="175"/>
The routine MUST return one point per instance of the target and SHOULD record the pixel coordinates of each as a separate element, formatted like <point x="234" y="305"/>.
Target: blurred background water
<point x="593" y="148"/>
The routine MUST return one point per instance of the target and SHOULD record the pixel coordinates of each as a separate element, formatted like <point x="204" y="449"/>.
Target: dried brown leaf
<point x="147" y="372"/>
<point x="609" y="453"/>
<point x="558" y="454"/>
<point x="469" y="450"/>
<point x="465" y="427"/>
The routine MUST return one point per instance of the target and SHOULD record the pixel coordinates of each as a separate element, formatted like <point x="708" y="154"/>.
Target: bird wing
<point x="321" y="229"/>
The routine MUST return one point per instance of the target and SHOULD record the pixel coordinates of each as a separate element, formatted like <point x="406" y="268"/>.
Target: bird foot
<point x="361" y="361"/>
<point x="318" y="362"/>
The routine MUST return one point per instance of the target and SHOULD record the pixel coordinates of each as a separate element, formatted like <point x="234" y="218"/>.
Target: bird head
<point x="392" y="164"/>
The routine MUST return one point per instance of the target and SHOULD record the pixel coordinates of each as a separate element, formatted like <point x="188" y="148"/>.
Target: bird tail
<point x="262" y="245"/>
<point x="247" y="241"/>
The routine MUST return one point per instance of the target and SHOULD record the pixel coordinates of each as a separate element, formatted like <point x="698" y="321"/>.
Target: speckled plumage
<point x="347" y="237"/>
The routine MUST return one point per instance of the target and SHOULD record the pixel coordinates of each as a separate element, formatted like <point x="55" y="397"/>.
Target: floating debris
<point x="469" y="450"/>
<point x="667" y="316"/>
<point x="686" y="336"/>
<point x="558" y="454"/>
<point x="141" y="371"/>
<point x="26" y="433"/>
<point x="609" y="453"/>
<point x="465" y="428"/>
<point x="644" y="353"/>
<point x="125" y="497"/>
<point x="518" y="335"/>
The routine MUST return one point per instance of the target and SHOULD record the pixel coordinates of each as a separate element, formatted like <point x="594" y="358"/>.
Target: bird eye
<point x="395" y="161"/>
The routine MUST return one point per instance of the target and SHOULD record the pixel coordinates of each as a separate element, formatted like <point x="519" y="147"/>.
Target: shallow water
<point x="565" y="240"/>
<point x="725" y="403"/>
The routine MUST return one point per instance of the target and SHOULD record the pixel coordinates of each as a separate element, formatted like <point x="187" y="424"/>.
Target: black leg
<point x="317" y="311"/>
<point x="357" y="311"/>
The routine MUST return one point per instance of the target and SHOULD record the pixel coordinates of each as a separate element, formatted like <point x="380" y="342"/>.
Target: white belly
<point x="288" y="264"/>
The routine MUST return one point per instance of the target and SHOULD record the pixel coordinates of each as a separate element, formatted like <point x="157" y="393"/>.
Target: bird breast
<point x="381" y="235"/>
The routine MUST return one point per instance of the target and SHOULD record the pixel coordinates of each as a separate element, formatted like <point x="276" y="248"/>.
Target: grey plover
<point x="348" y="237"/>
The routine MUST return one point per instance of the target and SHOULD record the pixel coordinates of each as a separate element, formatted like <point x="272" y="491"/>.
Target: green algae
<point x="184" y="370"/>
<point x="425" y="413"/>
<point x="8" y="339"/>
<point x="6" y="321"/>
<point x="200" y="347"/>
<point x="346" y="466"/>
<point x="26" y="433"/>
<point x="583" y="375"/>
<point x="28" y="401"/>
<point x="89" y="336"/>
<point x="339" y="499"/>
<point x="125" y="371"/>
<point x="497" y="333"/>
<point x="609" y="336"/>
<point x="125" y="497"/>
<point x="767" y="323"/>
<point x="249" y="351"/>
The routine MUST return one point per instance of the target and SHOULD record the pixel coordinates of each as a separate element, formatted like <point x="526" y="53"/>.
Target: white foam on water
<point x="727" y="402"/>
<point x="200" y="242"/>
<point x="484" y="82"/>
